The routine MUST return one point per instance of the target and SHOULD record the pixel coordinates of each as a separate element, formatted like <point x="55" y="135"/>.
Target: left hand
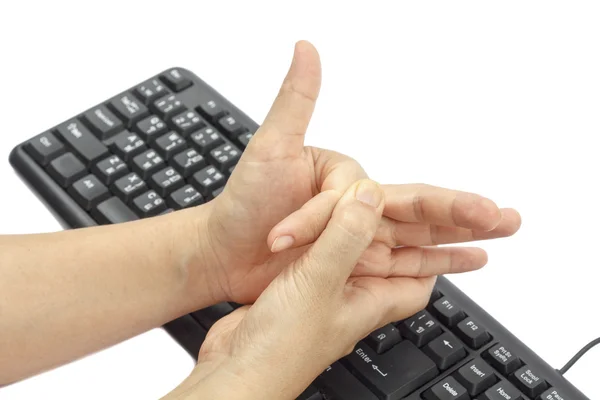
<point x="281" y="195"/>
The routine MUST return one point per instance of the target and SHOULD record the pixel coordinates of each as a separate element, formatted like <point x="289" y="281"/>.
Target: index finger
<point x="440" y="206"/>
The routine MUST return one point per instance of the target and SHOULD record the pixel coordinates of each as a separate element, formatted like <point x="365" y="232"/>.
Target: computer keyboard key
<point x="338" y="383"/>
<point x="244" y="139"/>
<point x="502" y="390"/>
<point x="446" y="389"/>
<point x="168" y="105"/>
<point x="128" y="145"/>
<point x="476" y="376"/>
<point x="149" y="204"/>
<point x="113" y="211"/>
<point x="503" y="359"/>
<point x="231" y="126"/>
<point x="150" y="90"/>
<point x="310" y="393"/>
<point x="393" y="374"/>
<point x="188" y="162"/>
<point x="185" y="197"/>
<point x="435" y="296"/>
<point x="85" y="144"/>
<point x="217" y="192"/>
<point x="212" y="110"/>
<point x="166" y="181"/>
<point x="187" y="121"/>
<point x="207" y="180"/>
<point x="384" y="338"/>
<point x="89" y="191"/>
<point x="128" y="187"/>
<point x="110" y="169"/>
<point x="420" y="328"/>
<point x="66" y="169"/>
<point x="552" y="394"/>
<point x="445" y="350"/>
<point x="128" y="108"/>
<point x="151" y="127"/>
<point x="44" y="148"/>
<point x="472" y="333"/>
<point x="529" y="381"/>
<point x="206" y="139"/>
<point x="170" y="144"/>
<point x="225" y="156"/>
<point x="447" y="312"/>
<point x="147" y="163"/>
<point x="175" y="80"/>
<point x="102" y="122"/>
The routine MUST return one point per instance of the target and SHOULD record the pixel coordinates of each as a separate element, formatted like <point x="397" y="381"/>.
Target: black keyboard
<point x="171" y="142"/>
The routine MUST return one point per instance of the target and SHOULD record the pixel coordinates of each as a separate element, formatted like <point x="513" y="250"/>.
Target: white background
<point x="499" y="98"/>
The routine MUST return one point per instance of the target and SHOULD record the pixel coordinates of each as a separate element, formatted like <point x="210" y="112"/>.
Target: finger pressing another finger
<point x="348" y="233"/>
<point x="440" y="206"/>
<point x="399" y="233"/>
<point x="304" y="226"/>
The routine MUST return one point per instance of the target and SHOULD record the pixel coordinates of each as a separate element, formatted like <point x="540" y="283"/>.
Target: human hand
<point x="311" y="314"/>
<point x="250" y="223"/>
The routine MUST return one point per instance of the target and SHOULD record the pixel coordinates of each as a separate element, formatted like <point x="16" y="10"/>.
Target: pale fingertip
<point x="511" y="220"/>
<point x="478" y="258"/>
<point x="282" y="243"/>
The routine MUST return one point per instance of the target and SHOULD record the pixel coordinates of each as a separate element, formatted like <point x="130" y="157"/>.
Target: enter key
<point x="393" y="374"/>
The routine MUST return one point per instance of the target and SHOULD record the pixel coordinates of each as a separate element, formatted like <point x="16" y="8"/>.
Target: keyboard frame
<point x="188" y="332"/>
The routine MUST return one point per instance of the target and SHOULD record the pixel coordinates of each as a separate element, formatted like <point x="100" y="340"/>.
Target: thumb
<point x="282" y="132"/>
<point x="349" y="232"/>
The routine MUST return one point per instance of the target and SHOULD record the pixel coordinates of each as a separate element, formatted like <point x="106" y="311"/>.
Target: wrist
<point x="192" y="257"/>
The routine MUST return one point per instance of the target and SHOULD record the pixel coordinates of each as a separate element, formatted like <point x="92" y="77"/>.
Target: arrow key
<point x="446" y="350"/>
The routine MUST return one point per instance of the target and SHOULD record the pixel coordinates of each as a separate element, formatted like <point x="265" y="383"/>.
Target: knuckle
<point x="289" y="88"/>
<point x="418" y="206"/>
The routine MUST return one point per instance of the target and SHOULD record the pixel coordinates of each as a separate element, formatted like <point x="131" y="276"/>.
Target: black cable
<point x="577" y="356"/>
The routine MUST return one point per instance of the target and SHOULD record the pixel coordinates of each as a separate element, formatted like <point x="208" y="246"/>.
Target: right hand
<point x="311" y="314"/>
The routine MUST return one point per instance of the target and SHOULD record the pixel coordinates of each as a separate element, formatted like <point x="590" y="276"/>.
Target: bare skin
<point x="299" y="232"/>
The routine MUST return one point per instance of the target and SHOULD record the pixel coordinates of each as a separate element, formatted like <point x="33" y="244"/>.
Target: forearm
<point x="64" y="295"/>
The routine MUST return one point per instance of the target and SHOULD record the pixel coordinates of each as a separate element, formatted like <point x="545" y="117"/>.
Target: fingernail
<point x="368" y="192"/>
<point x="282" y="243"/>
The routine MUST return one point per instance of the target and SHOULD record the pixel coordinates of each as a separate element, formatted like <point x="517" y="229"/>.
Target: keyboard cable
<point x="577" y="356"/>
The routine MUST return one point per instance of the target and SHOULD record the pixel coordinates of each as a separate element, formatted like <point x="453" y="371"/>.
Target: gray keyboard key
<point x="44" y="148"/>
<point x="103" y="122"/>
<point x="128" y="108"/>
<point x="66" y="169"/>
<point x="89" y="191"/>
<point x="86" y="145"/>
<point x="113" y="211"/>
